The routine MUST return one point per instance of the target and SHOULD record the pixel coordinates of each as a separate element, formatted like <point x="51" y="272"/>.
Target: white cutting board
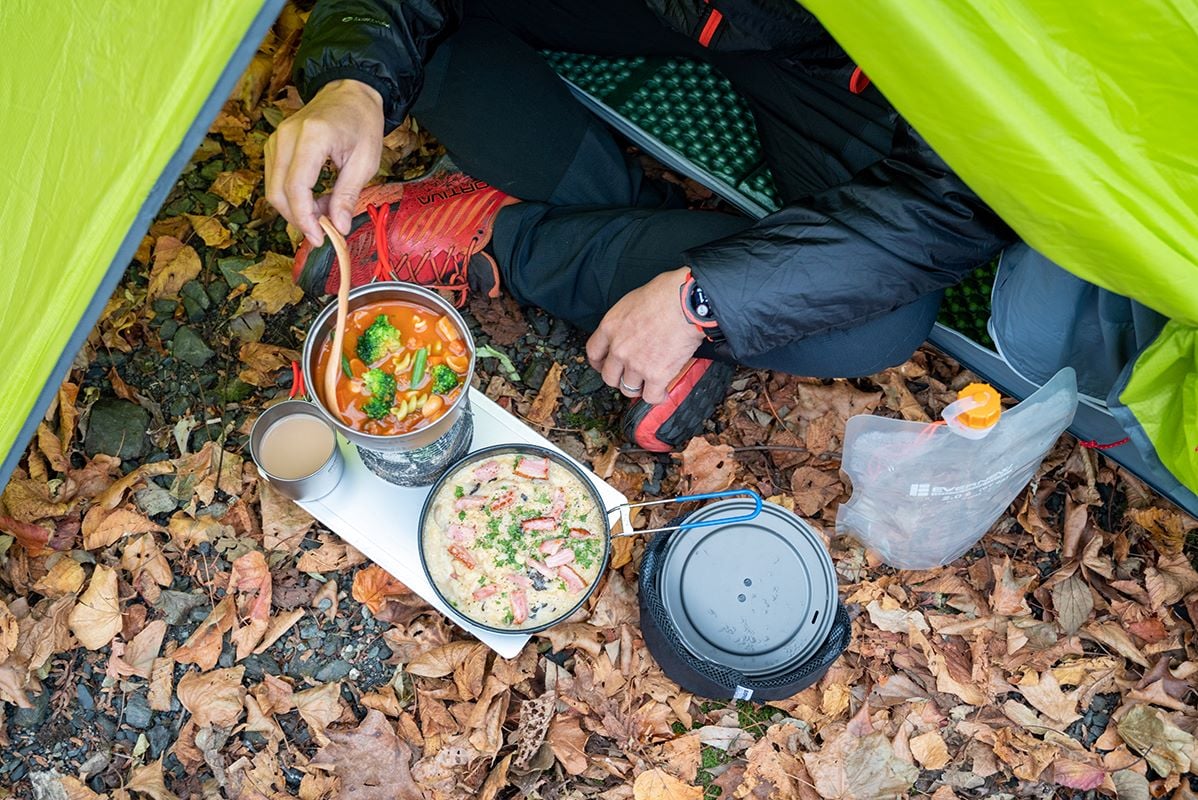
<point x="381" y="519"/>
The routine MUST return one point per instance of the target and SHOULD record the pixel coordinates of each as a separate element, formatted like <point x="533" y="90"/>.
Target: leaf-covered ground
<point x="171" y="627"/>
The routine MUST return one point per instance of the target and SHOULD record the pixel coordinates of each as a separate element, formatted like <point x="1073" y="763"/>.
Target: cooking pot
<point x="606" y="522"/>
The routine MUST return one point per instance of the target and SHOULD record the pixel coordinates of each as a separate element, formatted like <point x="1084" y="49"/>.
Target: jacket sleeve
<point x="383" y="43"/>
<point x="905" y="227"/>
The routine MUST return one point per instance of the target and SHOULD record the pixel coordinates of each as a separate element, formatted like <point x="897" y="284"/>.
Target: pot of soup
<point x="515" y="538"/>
<point x="406" y="365"/>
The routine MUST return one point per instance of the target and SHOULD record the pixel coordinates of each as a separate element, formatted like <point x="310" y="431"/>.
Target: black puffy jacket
<point x="904" y="227"/>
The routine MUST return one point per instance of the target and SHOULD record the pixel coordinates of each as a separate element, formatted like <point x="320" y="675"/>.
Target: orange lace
<point x="452" y="276"/>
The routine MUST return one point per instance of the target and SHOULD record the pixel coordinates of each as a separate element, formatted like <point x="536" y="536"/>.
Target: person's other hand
<point x="344" y="124"/>
<point x="644" y="341"/>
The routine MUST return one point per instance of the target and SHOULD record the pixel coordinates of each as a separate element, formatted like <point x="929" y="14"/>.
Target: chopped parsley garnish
<point x="461" y="515"/>
<point x="586" y="551"/>
<point x="508" y="619"/>
<point x="459" y="491"/>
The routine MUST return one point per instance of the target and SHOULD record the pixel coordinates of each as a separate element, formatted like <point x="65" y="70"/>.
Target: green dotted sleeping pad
<point x="676" y="101"/>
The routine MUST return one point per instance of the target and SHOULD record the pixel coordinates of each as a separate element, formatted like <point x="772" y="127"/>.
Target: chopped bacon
<point x="560" y="557"/>
<point x="519" y="580"/>
<point x="469" y="501"/>
<point x="559" y="504"/>
<point x="540" y="567"/>
<point x="537" y="468"/>
<point x="463" y="534"/>
<point x="551" y="546"/>
<point x="519" y="606"/>
<point x="539" y="524"/>
<point x="485" y="592"/>
<point x="573" y="582"/>
<point x="487" y="471"/>
<point x="581" y="533"/>
<point x="502" y="500"/>
<point x="462" y="554"/>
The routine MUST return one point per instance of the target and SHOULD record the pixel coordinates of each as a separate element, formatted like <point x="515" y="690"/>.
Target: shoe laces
<point x="451" y="275"/>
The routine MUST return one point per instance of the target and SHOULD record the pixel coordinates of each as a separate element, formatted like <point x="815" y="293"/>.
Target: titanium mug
<point x="296" y="450"/>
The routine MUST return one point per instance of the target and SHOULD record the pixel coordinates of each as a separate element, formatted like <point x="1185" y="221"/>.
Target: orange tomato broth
<point x="406" y="317"/>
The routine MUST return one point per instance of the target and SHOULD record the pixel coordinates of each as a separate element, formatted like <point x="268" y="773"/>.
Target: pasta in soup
<point x="403" y="366"/>
<point x="514" y="541"/>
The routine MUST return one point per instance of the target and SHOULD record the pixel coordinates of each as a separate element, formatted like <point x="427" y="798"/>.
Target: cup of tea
<point x="296" y="449"/>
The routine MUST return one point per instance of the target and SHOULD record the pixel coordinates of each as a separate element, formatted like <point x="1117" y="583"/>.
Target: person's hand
<point x="344" y="124"/>
<point x="644" y="341"/>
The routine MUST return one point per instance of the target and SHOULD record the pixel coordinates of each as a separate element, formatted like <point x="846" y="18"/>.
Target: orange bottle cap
<point x="988" y="410"/>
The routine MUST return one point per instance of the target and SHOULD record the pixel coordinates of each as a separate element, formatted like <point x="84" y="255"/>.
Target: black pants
<point x="592" y="227"/>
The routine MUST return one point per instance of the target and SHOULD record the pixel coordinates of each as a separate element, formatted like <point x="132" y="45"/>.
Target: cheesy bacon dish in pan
<point x="514" y="541"/>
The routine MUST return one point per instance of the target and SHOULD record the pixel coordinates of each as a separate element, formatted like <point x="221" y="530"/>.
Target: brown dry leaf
<point x="112" y="496"/>
<point x="273" y="286"/>
<point x="568" y="741"/>
<point x="262" y="361"/>
<point x="574" y="635"/>
<point x="97" y="617"/>
<point x="1077" y="774"/>
<point x="899" y="397"/>
<point x="707" y="467"/>
<point x="889" y="616"/>
<point x="1166" y="527"/>
<point x="333" y="555"/>
<point x="1113" y="636"/>
<point x="929" y="750"/>
<point x="855" y="768"/>
<point x="31" y="536"/>
<point x="149" y="780"/>
<point x="102" y="528"/>
<point x="1172" y="579"/>
<point x="1044" y="693"/>
<point x="500" y="318"/>
<point x="371" y="761"/>
<point x="544" y="406"/>
<point x="76" y="789"/>
<point x="1025" y="754"/>
<point x="161" y="680"/>
<point x="1167" y="748"/>
<point x="68" y="413"/>
<point x="210" y="230"/>
<point x="215" y="698"/>
<point x="236" y="186"/>
<point x="250" y="579"/>
<point x="1073" y="602"/>
<point x="143" y="555"/>
<point x="143" y="650"/>
<point x="51" y="447"/>
<point x="284" y="524"/>
<point x="325" y="601"/>
<point x="535" y="716"/>
<point x="29" y="501"/>
<point x="174" y="265"/>
<point x="320" y="706"/>
<point x="814" y="489"/>
<point x="65" y="577"/>
<point x="277" y="626"/>
<point x="444" y="660"/>
<point x="204" y="645"/>
<point x="1009" y="597"/>
<point x="681" y="757"/>
<point x="657" y="784"/>
<point x="373" y="586"/>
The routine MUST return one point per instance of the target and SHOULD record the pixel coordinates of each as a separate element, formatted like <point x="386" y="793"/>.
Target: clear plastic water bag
<point x="923" y="493"/>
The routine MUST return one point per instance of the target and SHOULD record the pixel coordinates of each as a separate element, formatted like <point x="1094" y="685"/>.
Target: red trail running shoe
<point x="430" y="231"/>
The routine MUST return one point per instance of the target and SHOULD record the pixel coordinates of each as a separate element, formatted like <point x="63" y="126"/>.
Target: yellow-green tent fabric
<point x="1073" y="120"/>
<point x="1076" y="122"/>
<point x="101" y="106"/>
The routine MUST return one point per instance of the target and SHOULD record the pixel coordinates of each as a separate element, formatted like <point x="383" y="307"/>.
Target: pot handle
<point x="623" y="509"/>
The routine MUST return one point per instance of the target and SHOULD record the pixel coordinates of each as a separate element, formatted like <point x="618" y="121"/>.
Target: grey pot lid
<point x="755" y="596"/>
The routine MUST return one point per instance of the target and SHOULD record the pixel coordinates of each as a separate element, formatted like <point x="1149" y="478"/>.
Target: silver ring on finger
<point x="631" y="389"/>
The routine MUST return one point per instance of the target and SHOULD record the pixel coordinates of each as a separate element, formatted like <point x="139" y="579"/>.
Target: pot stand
<point x="381" y="518"/>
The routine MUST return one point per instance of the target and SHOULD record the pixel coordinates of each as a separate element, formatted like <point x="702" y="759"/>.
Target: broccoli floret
<point x="381" y="386"/>
<point x="444" y="379"/>
<point x="378" y="340"/>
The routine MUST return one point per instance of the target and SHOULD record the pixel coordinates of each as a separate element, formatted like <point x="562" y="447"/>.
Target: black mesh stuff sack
<point x="667" y="631"/>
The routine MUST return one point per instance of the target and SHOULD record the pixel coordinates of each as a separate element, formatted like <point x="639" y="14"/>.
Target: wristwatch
<point x="697" y="309"/>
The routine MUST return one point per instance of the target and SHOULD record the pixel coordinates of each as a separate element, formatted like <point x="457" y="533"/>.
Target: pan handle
<point x="623" y="509"/>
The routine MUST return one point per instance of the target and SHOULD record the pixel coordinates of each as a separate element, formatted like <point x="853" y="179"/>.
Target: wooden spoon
<point x="334" y="366"/>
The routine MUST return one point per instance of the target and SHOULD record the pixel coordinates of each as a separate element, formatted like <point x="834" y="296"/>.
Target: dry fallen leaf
<point x="930" y="750"/>
<point x="273" y="286"/>
<point x="373" y="586"/>
<point x="443" y="660"/>
<point x="236" y="186"/>
<point x="204" y="645"/>
<point x="174" y="265"/>
<point x="320" y="706"/>
<point x="371" y="761"/>
<point x="65" y="577"/>
<point x="856" y="768"/>
<point x="568" y="741"/>
<point x="1077" y="774"/>
<point x="210" y="229"/>
<point x="1167" y="748"/>
<point x="707" y="467"/>
<point x="97" y="617"/>
<point x="149" y="780"/>
<point x="215" y="698"/>
<point x="657" y="784"/>
<point x="284" y="524"/>
<point x="544" y="406"/>
<point x="1073" y="603"/>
